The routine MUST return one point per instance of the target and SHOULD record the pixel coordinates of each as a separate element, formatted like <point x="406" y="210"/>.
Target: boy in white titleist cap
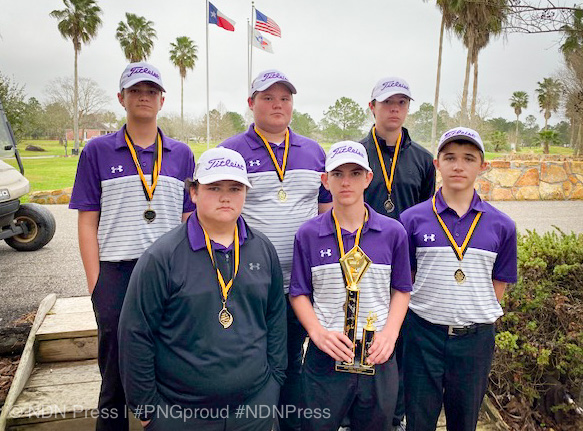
<point x="204" y="322"/>
<point x="463" y="255"/>
<point x="285" y="170"/>
<point x="128" y="191"/>
<point x="318" y="293"/>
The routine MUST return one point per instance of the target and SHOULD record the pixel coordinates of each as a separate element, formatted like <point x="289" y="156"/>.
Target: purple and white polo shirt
<point x="107" y="181"/>
<point x="491" y="255"/>
<point x="316" y="271"/>
<point x="279" y="221"/>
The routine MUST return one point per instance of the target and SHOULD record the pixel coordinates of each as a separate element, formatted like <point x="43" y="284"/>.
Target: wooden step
<point x="60" y="396"/>
<point x="68" y="332"/>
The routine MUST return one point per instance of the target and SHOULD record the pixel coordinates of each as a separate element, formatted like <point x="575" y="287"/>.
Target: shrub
<point x="540" y="337"/>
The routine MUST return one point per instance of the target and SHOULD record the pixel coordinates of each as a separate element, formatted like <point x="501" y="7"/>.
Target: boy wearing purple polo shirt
<point x="129" y="190"/>
<point x="285" y="170"/>
<point x="318" y="294"/>
<point x="463" y="255"/>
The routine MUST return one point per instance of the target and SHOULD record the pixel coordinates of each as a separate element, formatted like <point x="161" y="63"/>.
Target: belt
<point x="454" y="330"/>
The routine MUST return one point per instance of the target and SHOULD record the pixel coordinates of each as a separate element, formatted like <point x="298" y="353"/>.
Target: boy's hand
<point x="381" y="349"/>
<point x="335" y="344"/>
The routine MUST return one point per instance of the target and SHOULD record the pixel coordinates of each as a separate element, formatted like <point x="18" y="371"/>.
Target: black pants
<point x="107" y="299"/>
<point x="291" y="391"/>
<point x="445" y="370"/>
<point x="329" y="395"/>
<point x="258" y="415"/>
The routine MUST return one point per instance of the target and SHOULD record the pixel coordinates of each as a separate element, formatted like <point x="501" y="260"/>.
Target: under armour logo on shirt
<point x="429" y="237"/>
<point x="254" y="266"/>
<point x="114" y="169"/>
<point x="254" y="162"/>
<point x="326" y="253"/>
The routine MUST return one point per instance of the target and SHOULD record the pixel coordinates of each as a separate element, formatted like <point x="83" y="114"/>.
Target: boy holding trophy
<point x="350" y="287"/>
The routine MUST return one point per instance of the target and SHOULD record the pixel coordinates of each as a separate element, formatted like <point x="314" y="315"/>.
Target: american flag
<point x="266" y="24"/>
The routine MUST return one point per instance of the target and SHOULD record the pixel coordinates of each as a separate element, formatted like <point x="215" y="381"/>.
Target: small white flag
<point x="261" y="42"/>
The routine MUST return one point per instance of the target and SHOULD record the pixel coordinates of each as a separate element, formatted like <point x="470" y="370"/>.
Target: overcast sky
<point x="328" y="49"/>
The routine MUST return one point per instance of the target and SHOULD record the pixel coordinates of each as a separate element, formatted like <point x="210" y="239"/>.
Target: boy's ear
<point x="324" y="179"/>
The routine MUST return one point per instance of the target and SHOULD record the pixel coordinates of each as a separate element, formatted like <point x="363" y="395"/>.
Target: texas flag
<point x="216" y="17"/>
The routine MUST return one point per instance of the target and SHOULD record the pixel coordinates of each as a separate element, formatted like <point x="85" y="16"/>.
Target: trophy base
<point x="357" y="367"/>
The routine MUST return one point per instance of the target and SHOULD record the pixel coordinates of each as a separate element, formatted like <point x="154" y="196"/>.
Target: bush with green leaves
<point x="540" y="337"/>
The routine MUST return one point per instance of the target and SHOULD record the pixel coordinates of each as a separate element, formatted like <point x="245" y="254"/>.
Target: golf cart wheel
<point x="41" y="226"/>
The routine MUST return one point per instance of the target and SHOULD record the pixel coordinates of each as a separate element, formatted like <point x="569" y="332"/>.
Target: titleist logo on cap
<point x="135" y="70"/>
<point x="390" y="84"/>
<point x="273" y="75"/>
<point x="222" y="162"/>
<point x="460" y="132"/>
<point x="345" y="149"/>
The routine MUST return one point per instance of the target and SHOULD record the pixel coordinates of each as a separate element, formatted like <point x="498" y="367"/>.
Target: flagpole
<point x="251" y="47"/>
<point x="208" y="127"/>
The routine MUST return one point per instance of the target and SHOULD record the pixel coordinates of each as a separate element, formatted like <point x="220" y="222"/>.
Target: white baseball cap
<point x="387" y="87"/>
<point x="218" y="164"/>
<point x="463" y="134"/>
<point x="346" y="152"/>
<point x="135" y="73"/>
<point x="267" y="78"/>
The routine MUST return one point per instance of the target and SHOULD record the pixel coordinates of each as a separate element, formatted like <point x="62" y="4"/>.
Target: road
<point x="26" y="278"/>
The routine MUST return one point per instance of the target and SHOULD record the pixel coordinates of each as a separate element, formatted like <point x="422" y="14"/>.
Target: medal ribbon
<point x="280" y="170"/>
<point x="459" y="251"/>
<point x="388" y="180"/>
<point x="339" y="232"/>
<point x="148" y="191"/>
<point x="225" y="288"/>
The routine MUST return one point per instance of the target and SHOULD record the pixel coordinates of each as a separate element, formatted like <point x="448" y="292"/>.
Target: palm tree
<point x="477" y="22"/>
<point x="183" y="56"/>
<point x="136" y="37"/>
<point x="79" y="22"/>
<point x="518" y="101"/>
<point x="448" y="18"/>
<point x="549" y="96"/>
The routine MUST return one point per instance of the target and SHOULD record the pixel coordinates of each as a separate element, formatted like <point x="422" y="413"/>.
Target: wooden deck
<point x="59" y="388"/>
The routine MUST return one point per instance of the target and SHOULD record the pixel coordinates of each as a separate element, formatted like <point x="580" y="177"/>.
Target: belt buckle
<point x="450" y="330"/>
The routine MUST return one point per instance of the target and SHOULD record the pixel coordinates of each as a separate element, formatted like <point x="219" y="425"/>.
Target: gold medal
<point x="282" y="195"/>
<point x="459" y="276"/>
<point x="389" y="205"/>
<point x="225" y="318"/>
<point x="149" y="215"/>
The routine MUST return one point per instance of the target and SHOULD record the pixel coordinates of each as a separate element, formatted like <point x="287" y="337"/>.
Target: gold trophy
<point x="354" y="264"/>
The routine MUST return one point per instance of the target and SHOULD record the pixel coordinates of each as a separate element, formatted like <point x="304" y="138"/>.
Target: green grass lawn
<point x="52" y="148"/>
<point x="59" y="172"/>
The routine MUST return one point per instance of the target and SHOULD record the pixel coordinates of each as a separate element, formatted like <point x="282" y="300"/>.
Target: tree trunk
<point x="464" y="107"/>
<point x="182" y="107"/>
<point x="474" y="94"/>
<point x="437" y="83"/>
<point x="76" y="104"/>
<point x="579" y="142"/>
<point x="516" y="143"/>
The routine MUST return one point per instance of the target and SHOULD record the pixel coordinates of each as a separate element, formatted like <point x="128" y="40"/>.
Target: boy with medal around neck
<point x="463" y="255"/>
<point x="203" y="326"/>
<point x="318" y="295"/>
<point x="129" y="190"/>
<point x="404" y="174"/>
<point x="285" y="170"/>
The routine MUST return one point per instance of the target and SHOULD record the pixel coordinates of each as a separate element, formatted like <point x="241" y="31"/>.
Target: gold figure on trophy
<point x="354" y="264"/>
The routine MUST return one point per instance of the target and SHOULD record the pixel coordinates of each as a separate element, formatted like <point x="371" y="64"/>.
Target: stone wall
<point x="62" y="196"/>
<point x="531" y="180"/>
